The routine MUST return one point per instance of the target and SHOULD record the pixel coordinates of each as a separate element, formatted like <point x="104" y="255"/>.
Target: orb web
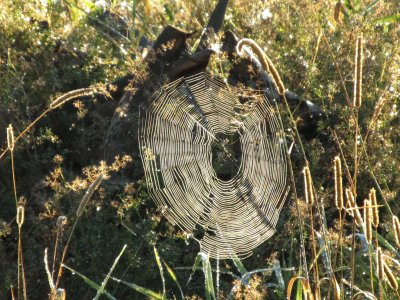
<point x="176" y="136"/>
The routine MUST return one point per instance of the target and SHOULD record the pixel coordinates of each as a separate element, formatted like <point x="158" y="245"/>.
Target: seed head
<point x="10" y="138"/>
<point x="308" y="186"/>
<point x="338" y="183"/>
<point x="60" y="294"/>
<point x="89" y="194"/>
<point x="353" y="208"/>
<point x="374" y="207"/>
<point x="379" y="258"/>
<point x="368" y="220"/>
<point x="265" y="61"/>
<point x="61" y="221"/>
<point x="390" y="277"/>
<point x="396" y="230"/>
<point x="20" y="215"/>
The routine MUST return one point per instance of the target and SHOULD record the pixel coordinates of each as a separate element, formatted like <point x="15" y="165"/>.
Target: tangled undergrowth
<point x="64" y="190"/>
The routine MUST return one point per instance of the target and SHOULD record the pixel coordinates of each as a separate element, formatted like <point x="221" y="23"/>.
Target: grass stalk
<point x="309" y="195"/>
<point x="88" y="194"/>
<point x="265" y="68"/>
<point x="90" y="91"/>
<point x="340" y="206"/>
<point x="20" y="217"/>
<point x="61" y="222"/>
<point x="380" y="272"/>
<point x="103" y="285"/>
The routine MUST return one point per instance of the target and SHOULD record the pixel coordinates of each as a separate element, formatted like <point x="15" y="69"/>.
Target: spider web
<point x="176" y="135"/>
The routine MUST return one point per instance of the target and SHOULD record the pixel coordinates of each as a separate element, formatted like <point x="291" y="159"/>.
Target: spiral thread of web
<point x="176" y="135"/>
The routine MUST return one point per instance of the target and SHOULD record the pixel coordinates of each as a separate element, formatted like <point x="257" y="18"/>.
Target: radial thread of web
<point x="176" y="135"/>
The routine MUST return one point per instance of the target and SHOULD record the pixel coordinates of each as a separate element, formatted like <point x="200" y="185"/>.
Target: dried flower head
<point x="60" y="294"/>
<point x="10" y="138"/>
<point x="61" y="221"/>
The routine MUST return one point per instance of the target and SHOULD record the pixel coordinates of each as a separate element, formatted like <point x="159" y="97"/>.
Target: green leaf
<point x="388" y="19"/>
<point x="299" y="292"/>
<point x="103" y="285"/>
<point x="243" y="272"/>
<point x="158" y="260"/>
<point x="197" y="262"/>
<point x="385" y="243"/>
<point x="88" y="4"/>
<point x="142" y="290"/>
<point x="169" y="13"/>
<point x="210" y="293"/>
<point x="174" y="278"/>
<point x="370" y="6"/>
<point x="239" y="265"/>
<point x="196" y="266"/>
<point x="134" y="5"/>
<point x="89" y="282"/>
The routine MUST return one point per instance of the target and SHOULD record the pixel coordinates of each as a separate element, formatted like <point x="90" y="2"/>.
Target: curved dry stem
<point x="265" y="61"/>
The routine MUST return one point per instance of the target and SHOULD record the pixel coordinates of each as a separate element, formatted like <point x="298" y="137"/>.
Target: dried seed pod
<point x="10" y="138"/>
<point x="338" y="10"/>
<point x="396" y="230"/>
<point x="354" y="211"/>
<point x="308" y="185"/>
<point x="379" y="266"/>
<point x="61" y="221"/>
<point x="20" y="215"/>
<point x="338" y="183"/>
<point x="368" y="220"/>
<point x="390" y="277"/>
<point x="358" y="72"/>
<point x="60" y="294"/>
<point x="374" y="207"/>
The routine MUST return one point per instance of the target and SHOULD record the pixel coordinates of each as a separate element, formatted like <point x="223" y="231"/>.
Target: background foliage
<point x="51" y="47"/>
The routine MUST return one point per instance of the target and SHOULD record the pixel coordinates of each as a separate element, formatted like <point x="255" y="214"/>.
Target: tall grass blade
<point x="174" y="278"/>
<point x="90" y="282"/>
<point x="196" y="266"/>
<point x="142" y="290"/>
<point x="158" y="260"/>
<point x="134" y="5"/>
<point x="299" y="291"/>
<point x="103" y="285"/>
<point x="278" y="273"/>
<point x="239" y="265"/>
<point x="46" y="266"/>
<point x="209" y="285"/>
<point x="383" y="242"/>
<point x="389" y="19"/>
